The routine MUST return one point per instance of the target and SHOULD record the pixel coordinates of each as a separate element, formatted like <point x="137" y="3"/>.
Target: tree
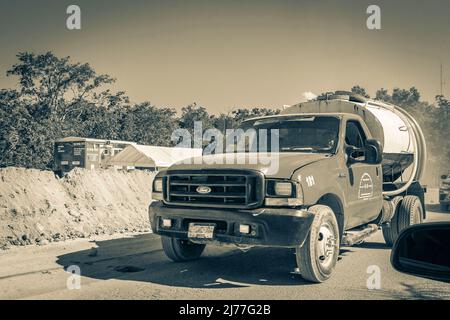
<point x="25" y="140"/>
<point x="223" y="121"/>
<point x="61" y="86"/>
<point x="442" y="129"/>
<point x="147" y="124"/>
<point x="360" y="90"/>
<point x="402" y="97"/>
<point x="383" y="95"/>
<point x="56" y="98"/>
<point x="443" y="104"/>
<point x="192" y="113"/>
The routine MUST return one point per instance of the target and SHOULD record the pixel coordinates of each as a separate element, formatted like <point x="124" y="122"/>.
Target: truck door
<point x="364" y="197"/>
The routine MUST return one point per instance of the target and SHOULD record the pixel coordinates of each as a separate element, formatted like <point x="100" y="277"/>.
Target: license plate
<point x="201" y="231"/>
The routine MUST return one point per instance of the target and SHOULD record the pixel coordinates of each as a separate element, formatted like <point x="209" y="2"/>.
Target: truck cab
<point x="326" y="190"/>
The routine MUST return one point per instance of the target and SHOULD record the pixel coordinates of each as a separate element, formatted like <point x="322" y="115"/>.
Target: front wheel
<point x="181" y="250"/>
<point x="318" y="255"/>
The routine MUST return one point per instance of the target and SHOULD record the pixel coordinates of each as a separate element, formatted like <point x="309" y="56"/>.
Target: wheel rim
<point x="326" y="245"/>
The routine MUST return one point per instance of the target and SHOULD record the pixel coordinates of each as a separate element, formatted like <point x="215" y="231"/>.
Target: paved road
<point x="135" y="267"/>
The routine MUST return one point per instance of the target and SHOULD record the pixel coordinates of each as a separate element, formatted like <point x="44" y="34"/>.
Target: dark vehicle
<point x="336" y="183"/>
<point x="424" y="250"/>
<point x="444" y="193"/>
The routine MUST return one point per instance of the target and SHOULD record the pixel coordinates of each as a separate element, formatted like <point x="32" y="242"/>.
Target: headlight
<point x="283" y="193"/>
<point x="279" y="188"/>
<point x="283" y="188"/>
<point x="157" y="185"/>
<point x="157" y="189"/>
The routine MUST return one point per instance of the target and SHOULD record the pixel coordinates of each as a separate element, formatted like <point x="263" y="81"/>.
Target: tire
<point x="181" y="250"/>
<point x="313" y="264"/>
<point x="390" y="231"/>
<point x="444" y="207"/>
<point x="407" y="213"/>
<point x="389" y="234"/>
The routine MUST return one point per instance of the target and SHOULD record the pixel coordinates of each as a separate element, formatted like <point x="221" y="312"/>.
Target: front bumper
<point x="278" y="227"/>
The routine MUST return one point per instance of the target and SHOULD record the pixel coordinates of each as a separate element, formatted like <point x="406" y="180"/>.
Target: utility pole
<point x="442" y="82"/>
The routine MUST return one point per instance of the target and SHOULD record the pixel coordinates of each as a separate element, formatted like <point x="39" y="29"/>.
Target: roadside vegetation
<point x="56" y="97"/>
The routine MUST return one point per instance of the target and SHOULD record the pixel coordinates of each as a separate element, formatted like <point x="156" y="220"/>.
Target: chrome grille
<point x="231" y="188"/>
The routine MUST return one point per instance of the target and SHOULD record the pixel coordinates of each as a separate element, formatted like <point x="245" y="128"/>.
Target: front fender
<point x="322" y="178"/>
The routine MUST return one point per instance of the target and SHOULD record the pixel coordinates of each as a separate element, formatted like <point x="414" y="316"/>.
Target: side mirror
<point x="424" y="250"/>
<point x="374" y="152"/>
<point x="371" y="153"/>
<point x="353" y="153"/>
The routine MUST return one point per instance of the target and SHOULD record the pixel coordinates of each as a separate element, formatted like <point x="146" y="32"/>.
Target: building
<point x="78" y="152"/>
<point x="152" y="158"/>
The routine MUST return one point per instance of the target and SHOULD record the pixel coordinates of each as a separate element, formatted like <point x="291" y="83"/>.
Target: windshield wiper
<point x="328" y="149"/>
<point x="308" y="149"/>
<point x="298" y="149"/>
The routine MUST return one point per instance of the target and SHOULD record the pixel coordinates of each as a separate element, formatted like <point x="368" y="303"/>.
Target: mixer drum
<point x="384" y="124"/>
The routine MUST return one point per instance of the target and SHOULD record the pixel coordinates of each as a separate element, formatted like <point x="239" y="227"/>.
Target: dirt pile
<point x="38" y="207"/>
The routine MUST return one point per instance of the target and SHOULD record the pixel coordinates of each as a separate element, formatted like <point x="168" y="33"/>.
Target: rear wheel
<point x="410" y="212"/>
<point x="407" y="213"/>
<point x="317" y="257"/>
<point x="181" y="250"/>
<point x="390" y="231"/>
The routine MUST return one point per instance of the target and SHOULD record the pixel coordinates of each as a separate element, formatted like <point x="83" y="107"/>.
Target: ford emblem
<point x="203" y="189"/>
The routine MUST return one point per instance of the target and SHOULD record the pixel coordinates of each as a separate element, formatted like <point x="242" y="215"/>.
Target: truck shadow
<point x="372" y="245"/>
<point x="140" y="258"/>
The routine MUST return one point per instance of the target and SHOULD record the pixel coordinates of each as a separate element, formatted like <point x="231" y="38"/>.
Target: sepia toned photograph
<point x="225" y="150"/>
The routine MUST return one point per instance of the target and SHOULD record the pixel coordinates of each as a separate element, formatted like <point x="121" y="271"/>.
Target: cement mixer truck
<point x="347" y="167"/>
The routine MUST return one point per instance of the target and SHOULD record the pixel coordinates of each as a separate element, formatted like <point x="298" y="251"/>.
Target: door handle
<point x="342" y="175"/>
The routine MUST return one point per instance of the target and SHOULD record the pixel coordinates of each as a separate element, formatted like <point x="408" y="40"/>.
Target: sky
<point x="247" y="53"/>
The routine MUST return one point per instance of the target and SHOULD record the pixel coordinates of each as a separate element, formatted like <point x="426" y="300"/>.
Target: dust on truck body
<point x="340" y="164"/>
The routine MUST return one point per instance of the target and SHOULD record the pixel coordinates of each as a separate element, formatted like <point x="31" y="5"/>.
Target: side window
<point x="354" y="136"/>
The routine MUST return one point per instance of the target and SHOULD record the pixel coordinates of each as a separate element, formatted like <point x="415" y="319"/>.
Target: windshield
<point x="294" y="134"/>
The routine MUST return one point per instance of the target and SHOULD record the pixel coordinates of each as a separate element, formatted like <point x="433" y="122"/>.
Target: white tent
<point x="152" y="156"/>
